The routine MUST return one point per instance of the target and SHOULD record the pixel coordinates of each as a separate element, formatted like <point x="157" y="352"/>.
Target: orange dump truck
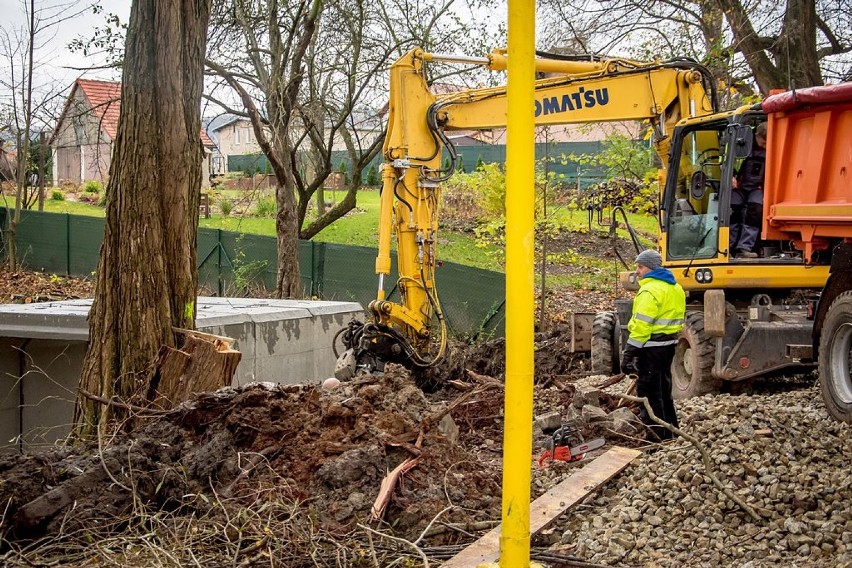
<point x="808" y="200"/>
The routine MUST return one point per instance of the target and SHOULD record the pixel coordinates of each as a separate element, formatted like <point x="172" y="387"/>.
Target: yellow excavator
<point x="735" y="329"/>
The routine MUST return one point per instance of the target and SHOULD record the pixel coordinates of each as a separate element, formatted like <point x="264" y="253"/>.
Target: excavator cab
<point x="695" y="206"/>
<point x="699" y="173"/>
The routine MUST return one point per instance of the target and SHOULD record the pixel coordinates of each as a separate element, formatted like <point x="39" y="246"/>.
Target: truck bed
<point x="808" y="185"/>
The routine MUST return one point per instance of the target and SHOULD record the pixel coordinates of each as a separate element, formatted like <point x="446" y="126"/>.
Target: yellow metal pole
<point x="520" y="197"/>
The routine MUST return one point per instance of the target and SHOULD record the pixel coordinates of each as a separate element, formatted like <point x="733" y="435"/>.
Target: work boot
<point x="746" y="254"/>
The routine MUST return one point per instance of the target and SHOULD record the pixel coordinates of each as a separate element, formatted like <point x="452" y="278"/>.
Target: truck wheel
<point x="835" y="358"/>
<point x="605" y="348"/>
<point x="693" y="360"/>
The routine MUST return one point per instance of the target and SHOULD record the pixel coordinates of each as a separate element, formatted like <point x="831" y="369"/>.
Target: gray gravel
<point x="780" y="452"/>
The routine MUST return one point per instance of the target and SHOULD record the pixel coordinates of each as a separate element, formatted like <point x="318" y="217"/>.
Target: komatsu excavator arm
<point x="572" y="90"/>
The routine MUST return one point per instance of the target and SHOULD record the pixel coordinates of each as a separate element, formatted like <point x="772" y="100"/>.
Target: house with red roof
<point x="83" y="137"/>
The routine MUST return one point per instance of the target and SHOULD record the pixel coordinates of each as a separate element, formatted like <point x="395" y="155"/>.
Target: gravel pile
<point x="780" y="452"/>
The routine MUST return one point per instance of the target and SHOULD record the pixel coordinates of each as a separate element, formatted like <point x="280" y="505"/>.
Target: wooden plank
<point x="549" y="506"/>
<point x="581" y="332"/>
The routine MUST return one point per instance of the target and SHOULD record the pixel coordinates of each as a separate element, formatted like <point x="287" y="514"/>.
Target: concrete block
<point x="10" y="391"/>
<point x="42" y="347"/>
<point x="596" y="415"/>
<point x="49" y="389"/>
<point x="585" y="396"/>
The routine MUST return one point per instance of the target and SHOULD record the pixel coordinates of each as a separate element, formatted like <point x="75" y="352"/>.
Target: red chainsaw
<point x="566" y="444"/>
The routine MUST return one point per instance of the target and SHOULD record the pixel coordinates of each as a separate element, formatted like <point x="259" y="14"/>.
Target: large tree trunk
<point x="794" y="61"/>
<point x="796" y="49"/>
<point x="146" y="279"/>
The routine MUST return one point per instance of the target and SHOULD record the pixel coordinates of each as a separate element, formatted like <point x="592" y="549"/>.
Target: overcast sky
<point x="56" y="60"/>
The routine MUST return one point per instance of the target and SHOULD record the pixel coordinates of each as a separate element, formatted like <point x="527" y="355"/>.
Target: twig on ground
<point x="705" y="457"/>
<point x="100" y="427"/>
<point x="139" y="410"/>
<point x="432" y="522"/>
<point x="615" y="379"/>
<point x="401" y="541"/>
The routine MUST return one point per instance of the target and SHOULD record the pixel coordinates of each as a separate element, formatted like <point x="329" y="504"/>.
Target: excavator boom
<point x="572" y="90"/>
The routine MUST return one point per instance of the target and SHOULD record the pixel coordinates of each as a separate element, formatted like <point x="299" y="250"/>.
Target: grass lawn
<point x="56" y="206"/>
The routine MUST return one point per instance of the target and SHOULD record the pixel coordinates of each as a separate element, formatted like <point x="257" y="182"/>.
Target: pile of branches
<point x="211" y="529"/>
<point x="631" y="194"/>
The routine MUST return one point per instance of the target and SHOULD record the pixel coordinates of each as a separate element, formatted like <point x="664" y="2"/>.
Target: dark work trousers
<point x="746" y="218"/>
<point x="654" y="368"/>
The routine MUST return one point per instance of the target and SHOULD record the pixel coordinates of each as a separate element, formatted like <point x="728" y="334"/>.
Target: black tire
<point x="835" y="358"/>
<point x="605" y="349"/>
<point x="693" y="360"/>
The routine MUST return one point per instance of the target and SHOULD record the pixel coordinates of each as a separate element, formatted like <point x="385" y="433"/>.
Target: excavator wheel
<point x="835" y="358"/>
<point x="606" y="351"/>
<point x="693" y="360"/>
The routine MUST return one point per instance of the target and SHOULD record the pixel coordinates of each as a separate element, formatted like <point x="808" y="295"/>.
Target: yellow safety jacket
<point x="658" y="310"/>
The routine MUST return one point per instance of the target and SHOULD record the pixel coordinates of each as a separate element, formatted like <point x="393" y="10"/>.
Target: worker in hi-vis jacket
<point x="658" y="312"/>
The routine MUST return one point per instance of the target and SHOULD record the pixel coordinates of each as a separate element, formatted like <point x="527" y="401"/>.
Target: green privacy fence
<point x="550" y="153"/>
<point x="230" y="263"/>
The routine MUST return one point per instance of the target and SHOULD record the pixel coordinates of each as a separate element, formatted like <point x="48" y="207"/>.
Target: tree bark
<point x="796" y="48"/>
<point x="146" y="279"/>
<point x="794" y="62"/>
<point x="204" y="363"/>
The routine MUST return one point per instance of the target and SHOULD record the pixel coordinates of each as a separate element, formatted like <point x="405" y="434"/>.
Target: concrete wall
<point x="42" y="348"/>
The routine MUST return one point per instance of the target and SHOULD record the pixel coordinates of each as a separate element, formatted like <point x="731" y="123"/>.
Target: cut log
<point x="204" y="363"/>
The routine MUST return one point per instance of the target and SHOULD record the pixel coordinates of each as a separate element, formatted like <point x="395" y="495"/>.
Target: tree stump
<point x="204" y="363"/>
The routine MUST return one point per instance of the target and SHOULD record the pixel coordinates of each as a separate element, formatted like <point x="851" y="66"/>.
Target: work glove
<point x="628" y="360"/>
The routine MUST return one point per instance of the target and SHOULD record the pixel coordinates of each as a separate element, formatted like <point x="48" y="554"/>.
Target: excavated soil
<point x="328" y="449"/>
<point x="325" y="450"/>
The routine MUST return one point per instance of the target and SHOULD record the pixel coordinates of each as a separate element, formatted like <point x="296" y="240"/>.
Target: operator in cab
<point x="747" y="198"/>
<point x="658" y="312"/>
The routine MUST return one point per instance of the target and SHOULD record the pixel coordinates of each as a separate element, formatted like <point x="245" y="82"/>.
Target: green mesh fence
<point x="234" y="264"/>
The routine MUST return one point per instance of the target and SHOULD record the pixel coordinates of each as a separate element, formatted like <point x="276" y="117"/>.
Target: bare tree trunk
<point x="796" y="50"/>
<point x="288" y="282"/>
<point x="23" y="143"/>
<point x="146" y="278"/>
<point x="42" y="147"/>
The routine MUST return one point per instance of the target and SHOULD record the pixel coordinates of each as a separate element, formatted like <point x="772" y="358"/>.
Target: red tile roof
<point x="104" y="98"/>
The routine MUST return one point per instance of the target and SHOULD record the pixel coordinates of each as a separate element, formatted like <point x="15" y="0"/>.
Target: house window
<point x="248" y="135"/>
<point x="236" y="136"/>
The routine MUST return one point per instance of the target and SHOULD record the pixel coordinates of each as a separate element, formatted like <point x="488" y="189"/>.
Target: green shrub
<point x="92" y="186"/>
<point x="489" y="183"/>
<point x="226" y="206"/>
<point x="57" y="195"/>
<point x="266" y="207"/>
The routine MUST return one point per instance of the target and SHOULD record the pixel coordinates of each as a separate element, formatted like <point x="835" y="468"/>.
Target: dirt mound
<point x="326" y="449"/>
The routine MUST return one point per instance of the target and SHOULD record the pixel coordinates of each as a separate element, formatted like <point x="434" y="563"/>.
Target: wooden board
<point x="549" y="506"/>
<point x="581" y="332"/>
